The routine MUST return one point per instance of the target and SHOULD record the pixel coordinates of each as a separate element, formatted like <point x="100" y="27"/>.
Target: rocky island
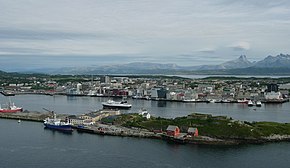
<point x="212" y="130"/>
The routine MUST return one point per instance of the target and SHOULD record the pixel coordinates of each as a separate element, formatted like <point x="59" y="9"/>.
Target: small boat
<point x="57" y="124"/>
<point x="245" y="101"/>
<point x="258" y="103"/>
<point x="11" y="108"/>
<point x="19" y="121"/>
<point x="189" y="100"/>
<point x="116" y="104"/>
<point x="226" y="101"/>
<point x="250" y="103"/>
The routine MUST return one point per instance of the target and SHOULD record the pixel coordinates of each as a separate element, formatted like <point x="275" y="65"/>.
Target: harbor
<point x="80" y="105"/>
<point x="82" y="112"/>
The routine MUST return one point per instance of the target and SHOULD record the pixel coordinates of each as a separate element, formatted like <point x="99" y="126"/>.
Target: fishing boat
<point x="11" y="108"/>
<point x="116" y="104"/>
<point x="57" y="124"/>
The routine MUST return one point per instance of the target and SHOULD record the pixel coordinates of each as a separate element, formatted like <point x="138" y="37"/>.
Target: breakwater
<point x="26" y="115"/>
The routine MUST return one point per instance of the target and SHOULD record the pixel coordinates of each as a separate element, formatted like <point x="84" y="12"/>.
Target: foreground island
<point x="194" y="128"/>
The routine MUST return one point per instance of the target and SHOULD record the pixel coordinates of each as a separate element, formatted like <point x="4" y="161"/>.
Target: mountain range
<point x="266" y="66"/>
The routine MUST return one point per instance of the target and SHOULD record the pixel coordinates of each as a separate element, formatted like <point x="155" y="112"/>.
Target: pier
<point x="7" y="93"/>
<point x="27" y="116"/>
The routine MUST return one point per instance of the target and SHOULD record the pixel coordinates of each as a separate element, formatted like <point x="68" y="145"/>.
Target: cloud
<point x="207" y="50"/>
<point x="156" y="30"/>
<point x="240" y="46"/>
<point x="18" y="50"/>
<point x="36" y="34"/>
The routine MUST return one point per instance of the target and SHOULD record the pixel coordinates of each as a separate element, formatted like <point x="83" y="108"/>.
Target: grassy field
<point x="213" y="126"/>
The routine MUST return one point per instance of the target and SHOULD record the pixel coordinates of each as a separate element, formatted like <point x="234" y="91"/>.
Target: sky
<point x="62" y="33"/>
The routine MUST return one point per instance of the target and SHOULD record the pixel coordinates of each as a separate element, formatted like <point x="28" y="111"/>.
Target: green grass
<point x="268" y="128"/>
<point x="220" y="127"/>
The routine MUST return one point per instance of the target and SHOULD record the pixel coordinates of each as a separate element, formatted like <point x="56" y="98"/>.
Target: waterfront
<point x="80" y="105"/>
<point x="28" y="144"/>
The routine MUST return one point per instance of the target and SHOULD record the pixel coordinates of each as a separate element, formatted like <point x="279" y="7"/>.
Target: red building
<point x="192" y="131"/>
<point x="172" y="130"/>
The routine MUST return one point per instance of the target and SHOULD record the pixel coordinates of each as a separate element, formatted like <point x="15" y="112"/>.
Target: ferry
<point x="57" y="124"/>
<point x="115" y="104"/>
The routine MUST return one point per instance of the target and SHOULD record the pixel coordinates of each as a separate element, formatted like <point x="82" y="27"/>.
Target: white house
<point x="145" y="114"/>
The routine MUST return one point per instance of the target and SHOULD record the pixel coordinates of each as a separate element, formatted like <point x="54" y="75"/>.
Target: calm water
<point x="28" y="144"/>
<point x="80" y="105"/>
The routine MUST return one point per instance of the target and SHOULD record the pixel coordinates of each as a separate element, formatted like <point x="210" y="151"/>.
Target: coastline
<point x="116" y="130"/>
<point x="264" y="101"/>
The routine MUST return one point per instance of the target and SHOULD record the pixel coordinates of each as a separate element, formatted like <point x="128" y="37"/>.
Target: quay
<point x="100" y="129"/>
<point x="7" y="93"/>
<point x="26" y="115"/>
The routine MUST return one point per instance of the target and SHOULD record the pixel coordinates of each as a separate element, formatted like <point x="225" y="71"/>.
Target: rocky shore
<point x="118" y="130"/>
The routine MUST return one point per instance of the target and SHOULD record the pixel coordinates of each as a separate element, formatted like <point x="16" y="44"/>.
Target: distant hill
<point x="149" y="68"/>
<point x="272" y="64"/>
<point x="241" y="62"/>
<point x="279" y="71"/>
<point x="131" y="68"/>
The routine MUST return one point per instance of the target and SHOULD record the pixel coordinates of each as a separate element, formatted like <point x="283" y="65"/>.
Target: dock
<point x="25" y="116"/>
<point x="7" y="93"/>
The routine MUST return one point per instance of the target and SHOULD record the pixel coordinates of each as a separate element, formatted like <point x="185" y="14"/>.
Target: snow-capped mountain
<point x="280" y="60"/>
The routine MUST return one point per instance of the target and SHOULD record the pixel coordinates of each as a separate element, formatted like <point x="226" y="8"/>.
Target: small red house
<point x="192" y="131"/>
<point x="172" y="130"/>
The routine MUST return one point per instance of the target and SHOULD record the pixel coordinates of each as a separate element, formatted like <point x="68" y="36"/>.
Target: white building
<point x="145" y="114"/>
<point x="79" y="88"/>
<point x="273" y="95"/>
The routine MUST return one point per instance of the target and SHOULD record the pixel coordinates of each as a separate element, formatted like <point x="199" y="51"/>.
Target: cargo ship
<point x="57" y="124"/>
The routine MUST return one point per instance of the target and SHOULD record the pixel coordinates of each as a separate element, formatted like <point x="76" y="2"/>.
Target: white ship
<point x="116" y="104"/>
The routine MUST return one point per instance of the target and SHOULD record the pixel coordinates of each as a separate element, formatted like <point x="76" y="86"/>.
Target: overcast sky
<point x="43" y="33"/>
